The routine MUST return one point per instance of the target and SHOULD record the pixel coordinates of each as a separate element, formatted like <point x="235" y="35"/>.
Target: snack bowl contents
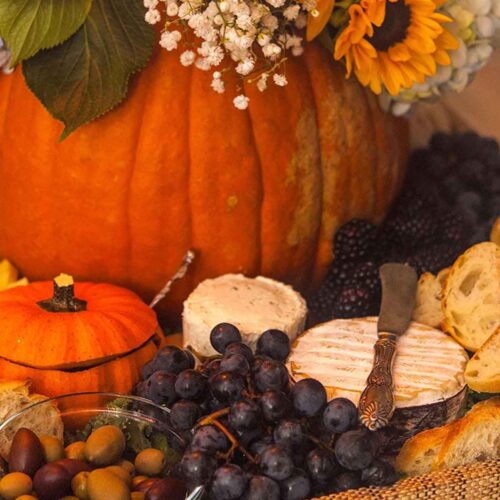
<point x="106" y="446"/>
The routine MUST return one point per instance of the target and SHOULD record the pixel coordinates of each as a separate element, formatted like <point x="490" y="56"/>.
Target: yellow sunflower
<point x="394" y="43"/>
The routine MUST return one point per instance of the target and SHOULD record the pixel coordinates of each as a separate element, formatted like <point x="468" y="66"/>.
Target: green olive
<point x="137" y="495"/>
<point x="76" y="450"/>
<point x="102" y="484"/>
<point x="15" y="484"/>
<point x="79" y="485"/>
<point x="123" y="474"/>
<point x="105" y="445"/>
<point x="150" y="462"/>
<point x="127" y="465"/>
<point x="53" y="449"/>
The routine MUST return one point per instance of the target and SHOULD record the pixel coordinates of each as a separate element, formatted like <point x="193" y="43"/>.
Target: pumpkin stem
<point x="64" y="299"/>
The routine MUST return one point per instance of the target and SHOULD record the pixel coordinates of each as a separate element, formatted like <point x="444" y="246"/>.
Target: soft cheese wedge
<point x="428" y="368"/>
<point x="252" y="304"/>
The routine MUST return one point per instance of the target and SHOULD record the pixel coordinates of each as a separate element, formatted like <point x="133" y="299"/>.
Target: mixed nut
<point x="42" y="468"/>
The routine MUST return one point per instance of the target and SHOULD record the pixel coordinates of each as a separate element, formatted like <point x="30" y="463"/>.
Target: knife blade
<point x="399" y="286"/>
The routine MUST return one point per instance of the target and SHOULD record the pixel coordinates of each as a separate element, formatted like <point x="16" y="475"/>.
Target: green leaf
<point x="88" y="74"/>
<point x="28" y="26"/>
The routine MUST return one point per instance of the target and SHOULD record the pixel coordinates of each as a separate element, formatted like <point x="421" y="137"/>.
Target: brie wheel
<point x="428" y="366"/>
<point x="254" y="305"/>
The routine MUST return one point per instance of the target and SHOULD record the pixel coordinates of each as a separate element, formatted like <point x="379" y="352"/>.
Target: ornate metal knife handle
<point x="376" y="404"/>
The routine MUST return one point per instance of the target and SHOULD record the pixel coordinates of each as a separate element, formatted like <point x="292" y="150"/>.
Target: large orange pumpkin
<point x="176" y="166"/>
<point x="85" y="337"/>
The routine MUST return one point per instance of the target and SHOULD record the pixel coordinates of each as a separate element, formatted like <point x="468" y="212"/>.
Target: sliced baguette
<point x="473" y="438"/>
<point x="428" y="300"/>
<point x="483" y="369"/>
<point x="44" y="420"/>
<point x="460" y="442"/>
<point x="471" y="296"/>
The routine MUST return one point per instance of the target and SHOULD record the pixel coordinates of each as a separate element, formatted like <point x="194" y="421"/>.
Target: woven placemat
<point x="479" y="481"/>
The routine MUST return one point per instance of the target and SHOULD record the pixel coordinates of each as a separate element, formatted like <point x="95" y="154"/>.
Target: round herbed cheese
<point x="428" y="367"/>
<point x="252" y="304"/>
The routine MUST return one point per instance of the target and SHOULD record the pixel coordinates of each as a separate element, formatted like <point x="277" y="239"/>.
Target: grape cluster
<point x="254" y="435"/>
<point x="449" y="201"/>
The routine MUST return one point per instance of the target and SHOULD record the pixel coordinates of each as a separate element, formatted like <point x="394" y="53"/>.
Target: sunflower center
<point x="393" y="29"/>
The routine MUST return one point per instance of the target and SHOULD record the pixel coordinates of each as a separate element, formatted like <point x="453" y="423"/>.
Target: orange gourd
<point x="86" y="337"/>
<point x="176" y="166"/>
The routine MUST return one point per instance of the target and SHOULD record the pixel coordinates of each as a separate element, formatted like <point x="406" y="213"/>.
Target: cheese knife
<point x="399" y="286"/>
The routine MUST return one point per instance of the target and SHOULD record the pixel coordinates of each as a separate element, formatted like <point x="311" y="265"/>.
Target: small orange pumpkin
<point x="86" y="337"/>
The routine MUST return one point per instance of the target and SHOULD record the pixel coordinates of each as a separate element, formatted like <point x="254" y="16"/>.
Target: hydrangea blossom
<point x="249" y="37"/>
<point x="474" y="24"/>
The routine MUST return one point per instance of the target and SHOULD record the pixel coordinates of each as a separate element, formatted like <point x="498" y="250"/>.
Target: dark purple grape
<point x="148" y="369"/>
<point x="226" y="386"/>
<point x="191" y="384"/>
<point x="468" y="145"/>
<point x="172" y="359"/>
<point x="340" y="415"/>
<point x="239" y="348"/>
<point x="289" y="433"/>
<point x="451" y="187"/>
<point x="275" y="344"/>
<point x="257" y="447"/>
<point x="247" y="437"/>
<point x="470" y="200"/>
<point x="229" y="482"/>
<point x="347" y="481"/>
<point x="257" y="362"/>
<point x="296" y="487"/>
<point x="308" y="397"/>
<point x="471" y="172"/>
<point x="184" y="414"/>
<point x="235" y="363"/>
<point x="272" y="375"/>
<point x="442" y="143"/>
<point x="212" y="367"/>
<point x="355" y="450"/>
<point x="276" y="462"/>
<point x="161" y="388"/>
<point x="190" y="357"/>
<point x="275" y="405"/>
<point x="321" y="465"/>
<point x="141" y="389"/>
<point x="222" y="335"/>
<point x="244" y="415"/>
<point x="197" y="467"/>
<point x="209" y="439"/>
<point x="379" y="473"/>
<point x="262" y="488"/>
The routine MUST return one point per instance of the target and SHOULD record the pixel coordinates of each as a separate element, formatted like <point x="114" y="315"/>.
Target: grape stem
<point x="212" y="420"/>
<point x="319" y="443"/>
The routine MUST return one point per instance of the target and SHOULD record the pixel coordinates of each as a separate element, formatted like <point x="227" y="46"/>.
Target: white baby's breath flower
<point x="280" y="80"/>
<point x="218" y="84"/>
<point x="172" y="9"/>
<point x="152" y="16"/>
<point x="301" y="21"/>
<point x="187" y="58"/>
<point x="245" y="67"/>
<point x="241" y="102"/>
<point x="291" y="13"/>
<point x="202" y="63"/>
<point x="262" y="82"/>
<point x="270" y="22"/>
<point x="150" y="4"/>
<point x="169" y="39"/>
<point x="271" y="50"/>
<point x="276" y="3"/>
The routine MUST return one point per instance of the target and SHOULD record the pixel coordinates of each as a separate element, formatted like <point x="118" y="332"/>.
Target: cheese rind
<point x="428" y="367"/>
<point x="252" y="304"/>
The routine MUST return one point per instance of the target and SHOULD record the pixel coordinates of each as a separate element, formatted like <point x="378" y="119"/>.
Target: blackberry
<point x="434" y="258"/>
<point x="442" y="143"/>
<point x="354" y="302"/>
<point x="468" y="145"/>
<point x="354" y="240"/>
<point x="321" y="304"/>
<point x="366" y="275"/>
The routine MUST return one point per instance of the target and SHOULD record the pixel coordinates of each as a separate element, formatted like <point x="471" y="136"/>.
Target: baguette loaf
<point x="428" y="300"/>
<point x="483" y="370"/>
<point x="474" y="437"/>
<point x="44" y="420"/>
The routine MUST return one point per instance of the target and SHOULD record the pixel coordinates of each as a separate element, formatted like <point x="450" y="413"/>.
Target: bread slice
<point x="44" y="420"/>
<point x="473" y="438"/>
<point x="428" y="300"/>
<point x="418" y="453"/>
<point x="461" y="442"/>
<point x="471" y="296"/>
<point x="483" y="370"/>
